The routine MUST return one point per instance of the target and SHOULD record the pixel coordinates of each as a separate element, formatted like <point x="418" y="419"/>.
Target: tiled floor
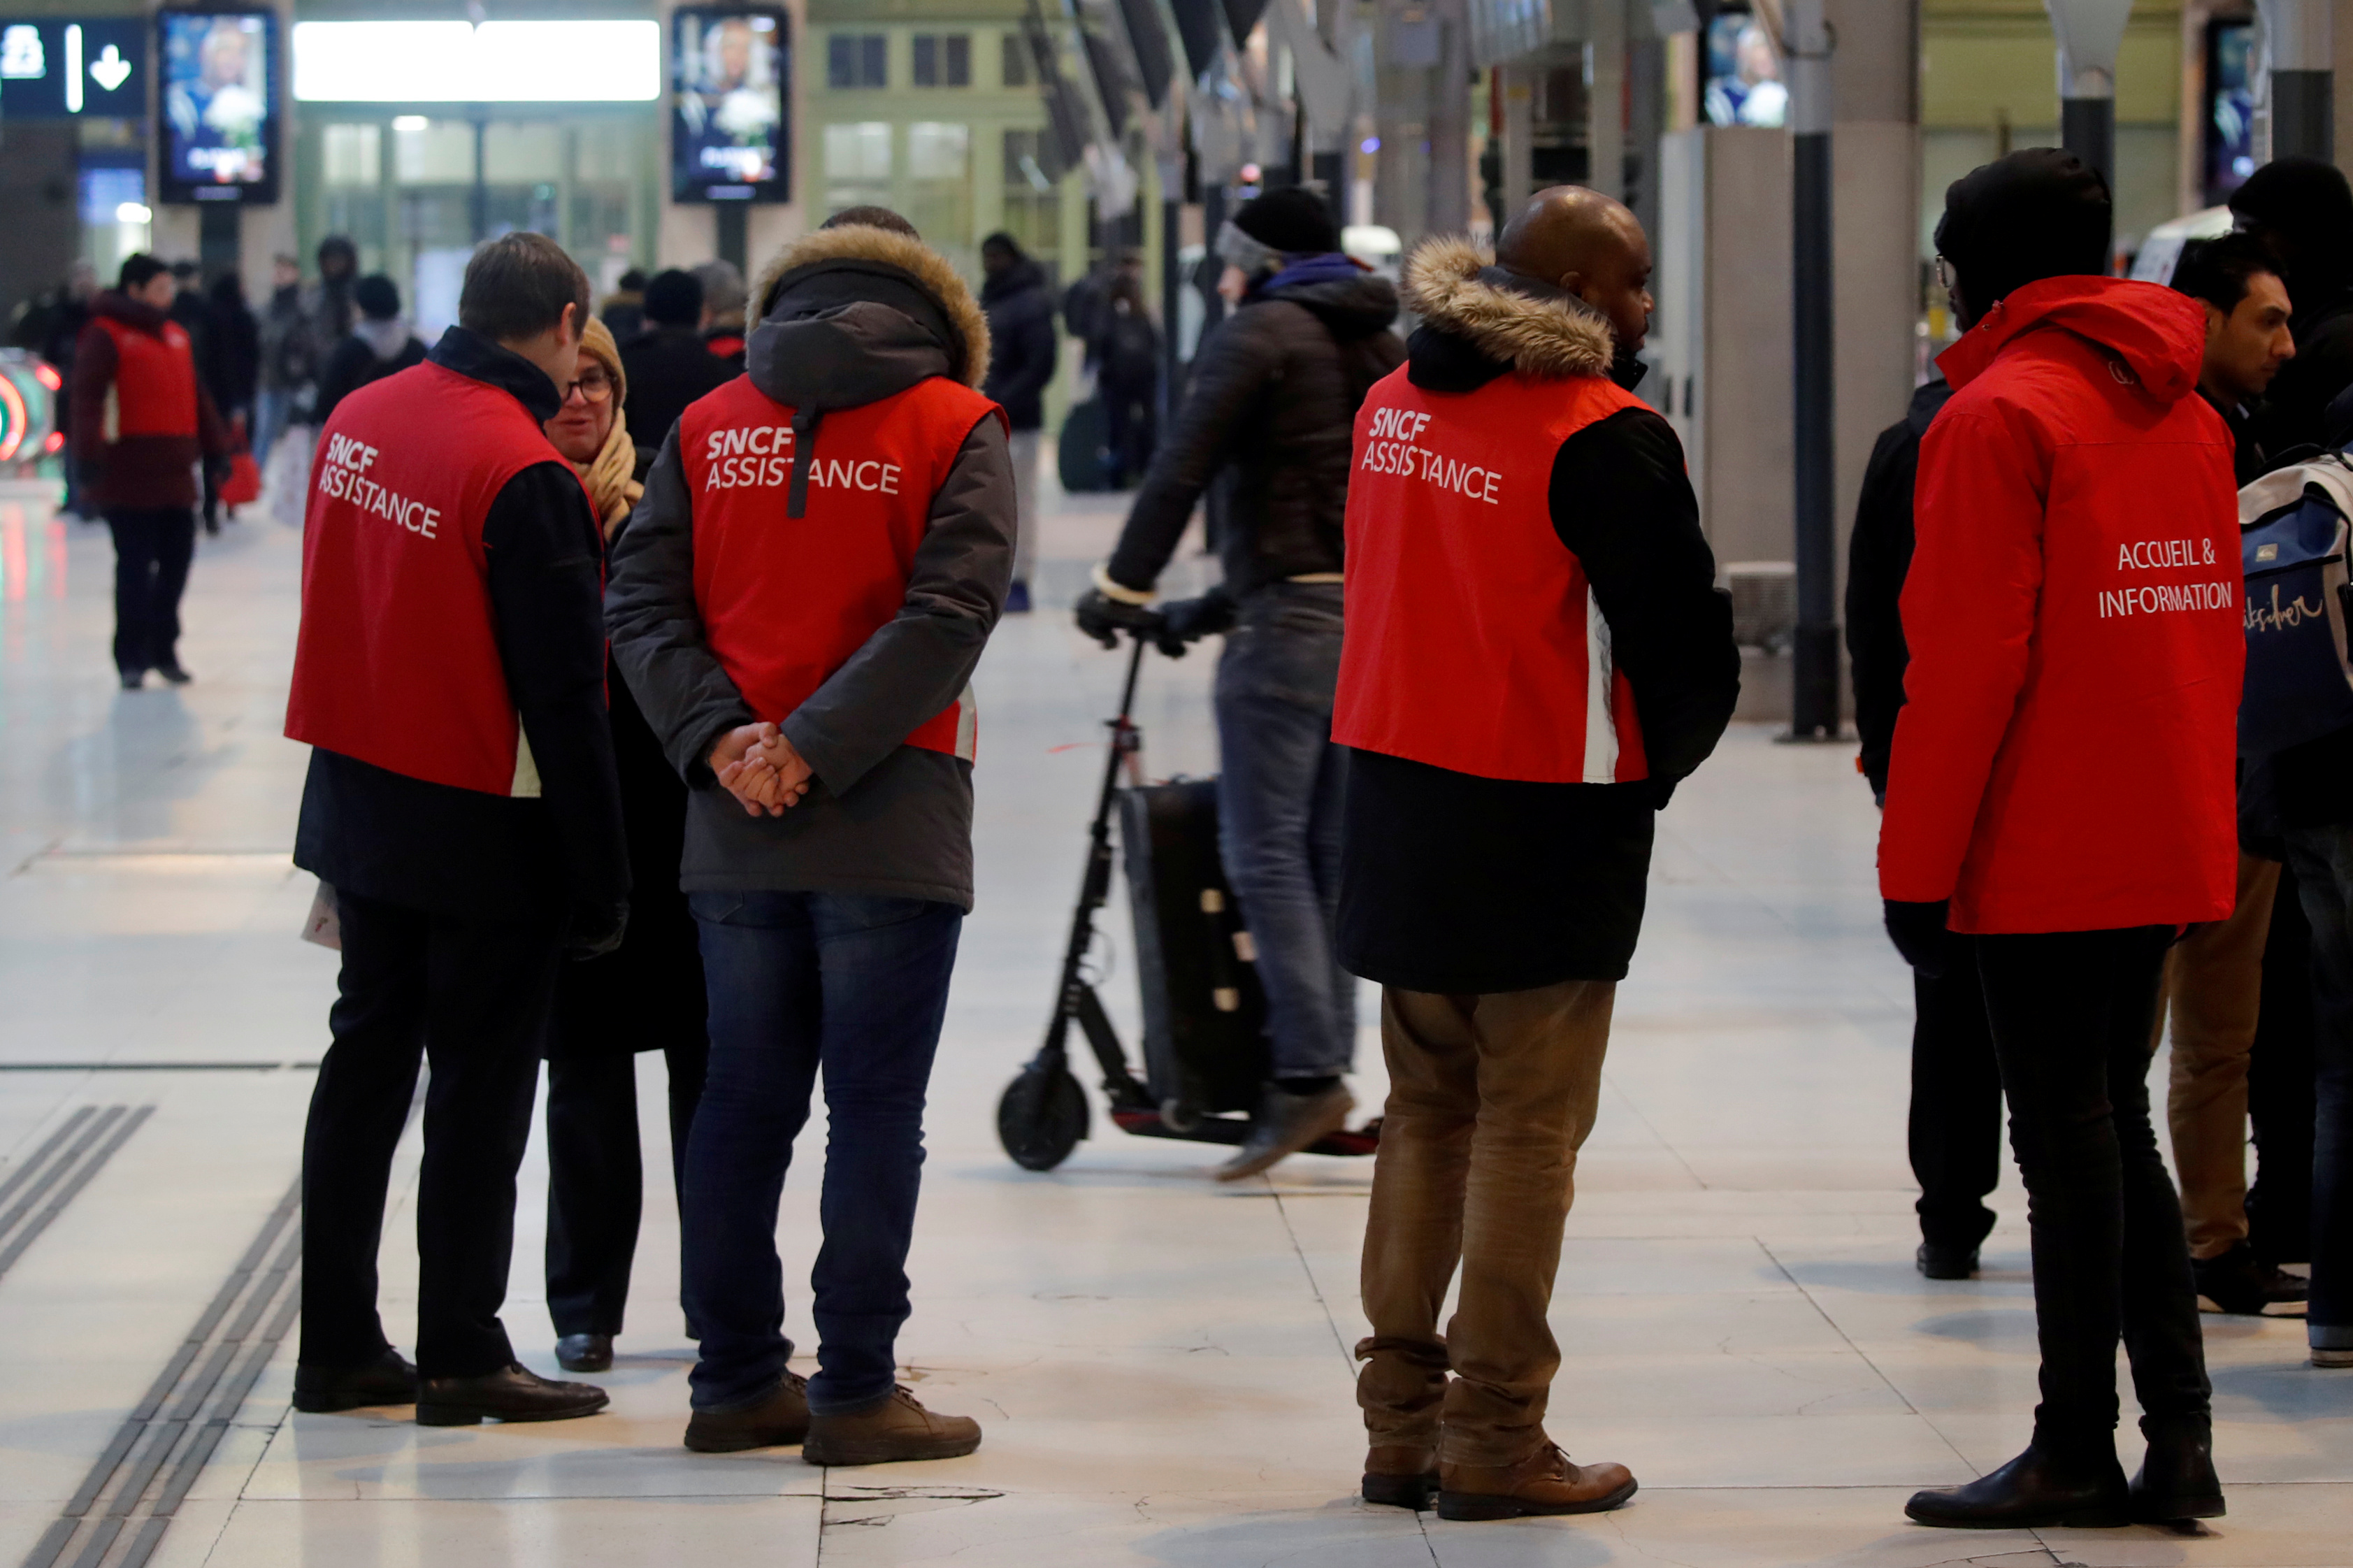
<point x="1162" y="1364"/>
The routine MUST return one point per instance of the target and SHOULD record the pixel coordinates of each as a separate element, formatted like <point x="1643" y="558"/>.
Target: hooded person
<point x="648" y="993"/>
<point x="1021" y="355"/>
<point x="2060" y="797"/>
<point x="828" y="754"/>
<point x="1265" y="432"/>
<point x="668" y="363"/>
<point x="379" y="343"/>
<point x="1537" y="652"/>
<point x="2301" y="211"/>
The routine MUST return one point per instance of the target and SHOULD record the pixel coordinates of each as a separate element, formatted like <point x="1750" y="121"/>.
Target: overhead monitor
<point x="730" y="67"/>
<point x="219" y="73"/>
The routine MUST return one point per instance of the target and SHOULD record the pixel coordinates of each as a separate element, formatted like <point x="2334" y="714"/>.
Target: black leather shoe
<point x="173" y="673"/>
<point x="584" y="1353"/>
<point x="779" y="1421"/>
<point x="2032" y="1492"/>
<point x="387" y="1380"/>
<point x="2177" y="1478"/>
<point x="2238" y="1282"/>
<point x="512" y="1393"/>
<point x="1945" y="1262"/>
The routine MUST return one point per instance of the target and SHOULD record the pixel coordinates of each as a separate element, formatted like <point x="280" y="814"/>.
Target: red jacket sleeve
<point x="1969" y="606"/>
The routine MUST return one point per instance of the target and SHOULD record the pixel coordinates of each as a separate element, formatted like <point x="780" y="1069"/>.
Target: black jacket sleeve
<point x="1030" y="364"/>
<point x="544" y="566"/>
<point x="919" y="661"/>
<point x="1229" y="374"/>
<point x="657" y="627"/>
<point x="1878" y="556"/>
<point x="1622" y="499"/>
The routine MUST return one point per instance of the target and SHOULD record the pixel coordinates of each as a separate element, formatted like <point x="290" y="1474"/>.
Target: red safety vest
<point x="397" y="662"/>
<point x="154" y="390"/>
<point x="786" y="601"/>
<point x="1474" y="639"/>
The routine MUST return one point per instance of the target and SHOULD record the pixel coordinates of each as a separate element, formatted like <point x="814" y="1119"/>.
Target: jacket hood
<point x="1450" y="284"/>
<point x="853" y="314"/>
<point x="1350" y="307"/>
<point x="131" y="312"/>
<point x="385" y="339"/>
<point x="2159" y="335"/>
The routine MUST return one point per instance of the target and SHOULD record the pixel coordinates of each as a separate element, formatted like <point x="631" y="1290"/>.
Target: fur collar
<point x="1550" y="338"/>
<point x="927" y="267"/>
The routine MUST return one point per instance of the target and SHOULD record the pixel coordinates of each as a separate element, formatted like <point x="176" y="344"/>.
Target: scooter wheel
<point x="1178" y="1116"/>
<point x="1042" y="1117"/>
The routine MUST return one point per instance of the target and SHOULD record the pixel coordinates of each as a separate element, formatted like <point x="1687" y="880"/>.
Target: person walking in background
<point x="645" y="995"/>
<point x="328" y="308"/>
<point x="232" y="372"/>
<point x="2249" y="336"/>
<point x="1953" y="1130"/>
<point x="1124" y="350"/>
<point x="462" y="805"/>
<point x="1266" y="421"/>
<point x="1021" y="355"/>
<point x="858" y="476"/>
<point x="287" y="365"/>
<point x="667" y="364"/>
<point x="623" y="310"/>
<point x="1537" y="653"/>
<point x="379" y="343"/>
<point x="2300" y="210"/>
<point x="142" y="421"/>
<point x="723" y="311"/>
<point x="2061" y="791"/>
<point x="52" y="328"/>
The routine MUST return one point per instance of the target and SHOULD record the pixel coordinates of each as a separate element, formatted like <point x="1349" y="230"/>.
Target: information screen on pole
<point x="729" y="67"/>
<point x="218" y="91"/>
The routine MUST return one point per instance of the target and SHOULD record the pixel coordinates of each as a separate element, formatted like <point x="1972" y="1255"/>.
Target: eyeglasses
<point x="1944" y="273"/>
<point x="594" y="387"/>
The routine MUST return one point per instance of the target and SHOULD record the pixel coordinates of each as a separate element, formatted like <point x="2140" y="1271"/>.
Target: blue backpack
<point x="2293" y="534"/>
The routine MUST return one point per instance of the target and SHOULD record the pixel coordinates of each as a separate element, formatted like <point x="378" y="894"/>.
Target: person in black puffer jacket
<point x="1269" y="421"/>
<point x="1020" y="362"/>
<point x="2301" y="211"/>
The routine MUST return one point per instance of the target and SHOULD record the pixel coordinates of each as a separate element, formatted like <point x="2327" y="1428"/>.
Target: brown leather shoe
<point x="1543" y="1482"/>
<point x="777" y="1422"/>
<point x="892" y="1429"/>
<point x="1400" y="1475"/>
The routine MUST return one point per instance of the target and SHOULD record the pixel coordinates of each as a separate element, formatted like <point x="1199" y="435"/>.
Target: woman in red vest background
<point x="141" y="420"/>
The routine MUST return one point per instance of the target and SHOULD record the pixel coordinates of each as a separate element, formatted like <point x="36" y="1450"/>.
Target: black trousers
<point x="153" y="546"/>
<point x="2280" y="1077"/>
<point x="596" y="1177"/>
<point x="472" y="998"/>
<point x="1954" y="1127"/>
<point x="2071" y="1013"/>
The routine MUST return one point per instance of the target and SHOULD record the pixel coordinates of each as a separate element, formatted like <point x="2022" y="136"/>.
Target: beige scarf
<point x="611" y="488"/>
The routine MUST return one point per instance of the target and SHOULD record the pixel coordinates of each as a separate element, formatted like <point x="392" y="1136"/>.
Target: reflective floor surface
<point x="1161" y="1365"/>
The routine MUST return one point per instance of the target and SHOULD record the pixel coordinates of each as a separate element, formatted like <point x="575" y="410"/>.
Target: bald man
<point x="1536" y="652"/>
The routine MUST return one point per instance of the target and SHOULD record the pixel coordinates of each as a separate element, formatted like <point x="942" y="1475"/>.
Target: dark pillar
<point x="1814" y="688"/>
<point x="2087" y="128"/>
<point x="734" y="242"/>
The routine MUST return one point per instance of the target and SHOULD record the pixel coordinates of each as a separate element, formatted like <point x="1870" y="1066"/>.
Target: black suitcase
<point x="1205" y="1047"/>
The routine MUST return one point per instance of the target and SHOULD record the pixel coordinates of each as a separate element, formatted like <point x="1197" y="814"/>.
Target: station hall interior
<point x="1165" y="1363"/>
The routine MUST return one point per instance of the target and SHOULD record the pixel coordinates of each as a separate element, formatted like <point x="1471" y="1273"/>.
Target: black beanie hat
<point x="2306" y="209"/>
<point x="1290" y="218"/>
<point x="673" y="299"/>
<point x="2038" y="213"/>
<point x="377" y="297"/>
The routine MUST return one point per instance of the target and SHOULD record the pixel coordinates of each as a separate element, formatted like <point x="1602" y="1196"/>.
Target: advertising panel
<point x="731" y="66"/>
<point x="220" y="120"/>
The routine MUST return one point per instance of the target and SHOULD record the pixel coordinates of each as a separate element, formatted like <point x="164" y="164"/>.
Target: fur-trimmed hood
<point x="1455" y="288"/>
<point x="831" y="271"/>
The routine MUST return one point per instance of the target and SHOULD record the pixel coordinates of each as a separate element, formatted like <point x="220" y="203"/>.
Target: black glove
<point x="1919" y="933"/>
<point x="1189" y="620"/>
<point x="593" y="926"/>
<point x="1103" y="618"/>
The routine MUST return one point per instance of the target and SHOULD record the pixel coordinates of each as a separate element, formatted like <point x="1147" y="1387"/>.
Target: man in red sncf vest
<point x="797" y="605"/>
<point x="461" y="804"/>
<point x="1536" y="652"/>
<point x="142" y="419"/>
<point x="2060" y="797"/>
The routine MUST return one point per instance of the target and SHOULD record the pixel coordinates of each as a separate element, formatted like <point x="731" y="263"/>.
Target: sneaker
<point x="2239" y="1283"/>
<point x="1945" y="1262"/>
<point x="1286" y="1123"/>
<point x="1545" y="1482"/>
<point x="779" y="1421"/>
<point x="893" y="1428"/>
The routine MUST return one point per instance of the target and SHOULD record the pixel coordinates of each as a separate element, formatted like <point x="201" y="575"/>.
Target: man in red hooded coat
<point x="2060" y="801"/>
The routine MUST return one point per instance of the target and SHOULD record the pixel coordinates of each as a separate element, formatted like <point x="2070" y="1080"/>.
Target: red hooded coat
<point x="2064" y="757"/>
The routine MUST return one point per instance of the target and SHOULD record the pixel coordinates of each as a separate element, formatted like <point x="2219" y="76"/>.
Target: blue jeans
<point x="2322" y="859"/>
<point x="1279" y="816"/>
<point x="274" y="408"/>
<point x="858" y="985"/>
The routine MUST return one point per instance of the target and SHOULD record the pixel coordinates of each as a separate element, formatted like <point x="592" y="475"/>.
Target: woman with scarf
<point x="647" y="994"/>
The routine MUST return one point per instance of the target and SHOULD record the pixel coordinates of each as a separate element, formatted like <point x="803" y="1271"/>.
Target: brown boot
<point x="777" y="1422"/>
<point x="1543" y="1482"/>
<point x="1401" y="1474"/>
<point x="895" y="1428"/>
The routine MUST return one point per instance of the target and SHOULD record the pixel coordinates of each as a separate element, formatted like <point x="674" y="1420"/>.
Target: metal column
<point x="1450" y="121"/>
<point x="1814" y="690"/>
<point x="2302" y="78"/>
<point x="2089" y="33"/>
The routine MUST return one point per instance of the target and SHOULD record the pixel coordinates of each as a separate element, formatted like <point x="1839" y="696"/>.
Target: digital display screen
<point x="730" y="66"/>
<point x="1744" y="73"/>
<point x="218" y="87"/>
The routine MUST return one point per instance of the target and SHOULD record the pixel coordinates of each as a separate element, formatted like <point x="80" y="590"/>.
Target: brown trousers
<point x="2213" y="989"/>
<point x="1490" y="1098"/>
